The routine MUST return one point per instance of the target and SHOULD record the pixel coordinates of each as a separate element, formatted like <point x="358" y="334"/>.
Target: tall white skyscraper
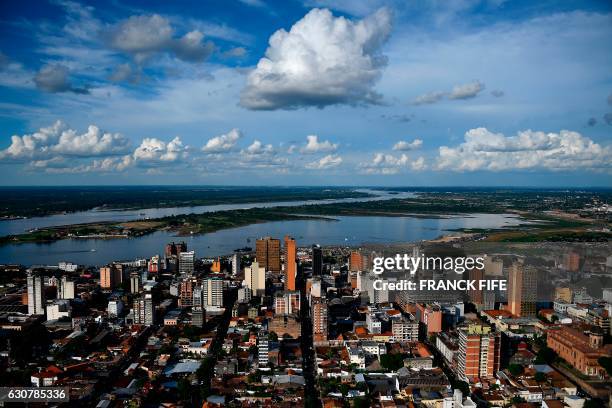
<point x="135" y="282"/>
<point x="36" y="295"/>
<point x="186" y="262"/>
<point x="255" y="278"/>
<point x="65" y="289"/>
<point x="235" y="264"/>
<point x="212" y="292"/>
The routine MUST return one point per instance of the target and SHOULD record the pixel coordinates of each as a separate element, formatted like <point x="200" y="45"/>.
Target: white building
<point x="255" y="278"/>
<point x="65" y="289"/>
<point x="405" y="330"/>
<point x="59" y="309"/>
<point x="262" y="350"/>
<point x="36" y="295"/>
<point x="67" y="267"/>
<point x="235" y="264"/>
<point x="212" y="292"/>
<point x="373" y="348"/>
<point x="244" y="295"/>
<point x="374" y="324"/>
<point x="114" y="308"/>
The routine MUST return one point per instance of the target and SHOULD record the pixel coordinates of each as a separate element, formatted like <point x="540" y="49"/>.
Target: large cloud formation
<point x="323" y="60"/>
<point x="485" y="150"/>
<point x="59" y="140"/>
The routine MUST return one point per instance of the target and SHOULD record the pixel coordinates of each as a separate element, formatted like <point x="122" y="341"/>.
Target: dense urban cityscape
<point x="292" y="325"/>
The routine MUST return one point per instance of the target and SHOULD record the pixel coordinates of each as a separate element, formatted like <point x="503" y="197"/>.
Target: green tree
<point x="515" y="369"/>
<point x="540" y="377"/>
<point x="606" y="363"/>
<point x="392" y="362"/>
<point x="184" y="389"/>
<point x="546" y="355"/>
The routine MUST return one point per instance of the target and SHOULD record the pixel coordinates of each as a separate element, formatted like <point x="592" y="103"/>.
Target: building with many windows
<point x="479" y="353"/>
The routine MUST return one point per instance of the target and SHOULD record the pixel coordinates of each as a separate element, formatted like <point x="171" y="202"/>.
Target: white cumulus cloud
<point x="322" y="60"/>
<point x="485" y="150"/>
<point x="222" y="143"/>
<point x="389" y="164"/>
<point x="59" y="140"/>
<point x="314" y="146"/>
<point x="155" y="150"/>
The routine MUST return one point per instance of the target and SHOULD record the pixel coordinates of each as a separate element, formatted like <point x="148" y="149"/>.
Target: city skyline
<point x="475" y="93"/>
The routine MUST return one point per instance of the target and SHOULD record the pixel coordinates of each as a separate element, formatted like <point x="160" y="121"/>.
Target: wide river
<point x="19" y="226"/>
<point x="344" y="230"/>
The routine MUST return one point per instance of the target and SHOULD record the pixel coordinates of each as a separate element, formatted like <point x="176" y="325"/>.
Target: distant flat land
<point x="41" y="201"/>
<point x="549" y="215"/>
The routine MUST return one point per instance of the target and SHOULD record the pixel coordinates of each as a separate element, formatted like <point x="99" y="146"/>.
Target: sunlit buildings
<point x="478" y="356"/>
<point x="255" y="278"/>
<point x="267" y="253"/>
<point x="522" y="290"/>
<point x="290" y="263"/>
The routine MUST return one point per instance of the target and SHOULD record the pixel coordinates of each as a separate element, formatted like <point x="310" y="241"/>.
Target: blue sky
<point x="295" y="92"/>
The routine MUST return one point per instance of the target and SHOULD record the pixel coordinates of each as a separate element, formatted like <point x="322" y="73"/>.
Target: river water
<point x="342" y="230"/>
<point x="19" y="226"/>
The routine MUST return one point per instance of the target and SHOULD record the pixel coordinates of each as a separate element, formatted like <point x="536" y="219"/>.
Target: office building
<point x="106" y="277"/>
<point x="255" y="279"/>
<point x="212" y="292"/>
<point x="355" y="262"/>
<point x="198" y="316"/>
<point x="571" y="262"/>
<point x="319" y="319"/>
<point x="479" y="353"/>
<point x="244" y="294"/>
<point x="65" y="289"/>
<point x="287" y="302"/>
<point x="290" y="263"/>
<point x="186" y="262"/>
<point x="262" y="350"/>
<point x="216" y="266"/>
<point x="405" y="329"/>
<point x="173" y="249"/>
<point x="144" y="310"/>
<point x="267" y="252"/>
<point x="59" y="309"/>
<point x="493" y="266"/>
<point x="476" y="295"/>
<point x="522" y="290"/>
<point x="114" y="308"/>
<point x="317" y="260"/>
<point x="153" y="264"/>
<point x="135" y="285"/>
<point x="36" y="295"/>
<point x="430" y="317"/>
<point x="236" y="264"/>
<point x="186" y="287"/>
